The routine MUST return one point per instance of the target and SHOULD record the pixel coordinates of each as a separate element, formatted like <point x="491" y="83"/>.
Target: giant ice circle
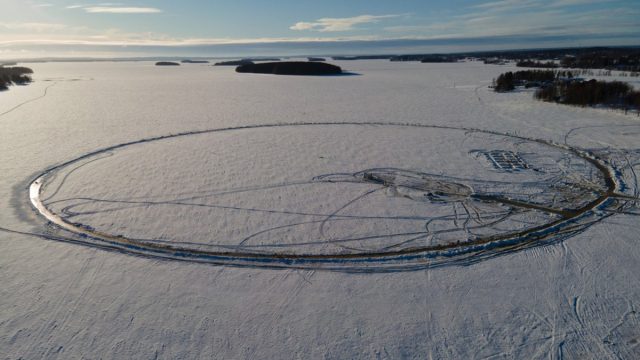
<point x="330" y="195"/>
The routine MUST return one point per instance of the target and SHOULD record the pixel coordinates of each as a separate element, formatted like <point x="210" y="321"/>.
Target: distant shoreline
<point x="513" y="52"/>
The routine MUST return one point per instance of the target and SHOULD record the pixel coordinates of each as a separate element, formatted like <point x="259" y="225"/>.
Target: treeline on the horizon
<point x="363" y="57"/>
<point x="14" y="75"/>
<point x="561" y="53"/>
<point x="528" y="78"/>
<point x="428" y="58"/>
<point x="537" y="64"/>
<point x="623" y="61"/>
<point x="611" y="58"/>
<point x="611" y="61"/>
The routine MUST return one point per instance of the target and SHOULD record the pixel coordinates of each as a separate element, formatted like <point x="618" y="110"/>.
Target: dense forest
<point x="528" y="78"/>
<point x="14" y="75"/>
<point x="615" y="94"/>
<point x="537" y="64"/>
<point x="291" y="68"/>
<point x="562" y="87"/>
<point x="234" y="63"/>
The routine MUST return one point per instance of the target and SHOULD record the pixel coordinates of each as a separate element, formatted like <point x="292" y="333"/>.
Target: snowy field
<point x="406" y="211"/>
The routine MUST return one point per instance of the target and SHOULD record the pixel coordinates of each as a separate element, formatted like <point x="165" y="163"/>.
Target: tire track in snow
<point x="44" y="94"/>
<point x="88" y="279"/>
<point x="60" y="306"/>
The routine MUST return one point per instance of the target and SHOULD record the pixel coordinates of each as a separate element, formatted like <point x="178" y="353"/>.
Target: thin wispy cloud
<point x="528" y="17"/>
<point x="122" y="10"/>
<point x="563" y="3"/>
<point x="33" y="26"/>
<point x="114" y="8"/>
<point x="508" y="4"/>
<point x="133" y="40"/>
<point x="81" y="6"/>
<point x="532" y="21"/>
<point x="513" y="5"/>
<point x="339" y="24"/>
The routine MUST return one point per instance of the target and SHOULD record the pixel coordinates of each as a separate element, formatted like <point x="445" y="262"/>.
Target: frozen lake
<point x="403" y="158"/>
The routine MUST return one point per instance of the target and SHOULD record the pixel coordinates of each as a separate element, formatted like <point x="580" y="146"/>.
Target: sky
<point x="67" y="28"/>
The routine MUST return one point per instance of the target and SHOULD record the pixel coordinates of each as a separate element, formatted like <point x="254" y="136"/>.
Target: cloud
<point x="499" y="6"/>
<point x="424" y="29"/>
<point x="114" y="8"/>
<point x="82" y="6"/>
<point x="338" y="24"/>
<point x="562" y="3"/>
<point x="33" y="26"/>
<point x="121" y="10"/>
<point x="505" y="5"/>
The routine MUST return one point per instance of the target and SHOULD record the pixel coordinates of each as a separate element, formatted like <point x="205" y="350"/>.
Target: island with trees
<point x="291" y="68"/>
<point x="234" y="62"/>
<point x="17" y="75"/>
<point x="612" y="94"/>
<point x="244" y="61"/>
<point x="189" y="61"/>
<point x="563" y="88"/>
<point x="362" y="57"/>
<point x="167" y="63"/>
<point x="527" y="78"/>
<point x="427" y="58"/>
<point x="256" y="59"/>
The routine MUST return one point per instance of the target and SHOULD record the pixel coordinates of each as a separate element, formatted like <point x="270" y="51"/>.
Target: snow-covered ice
<point x="472" y="165"/>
